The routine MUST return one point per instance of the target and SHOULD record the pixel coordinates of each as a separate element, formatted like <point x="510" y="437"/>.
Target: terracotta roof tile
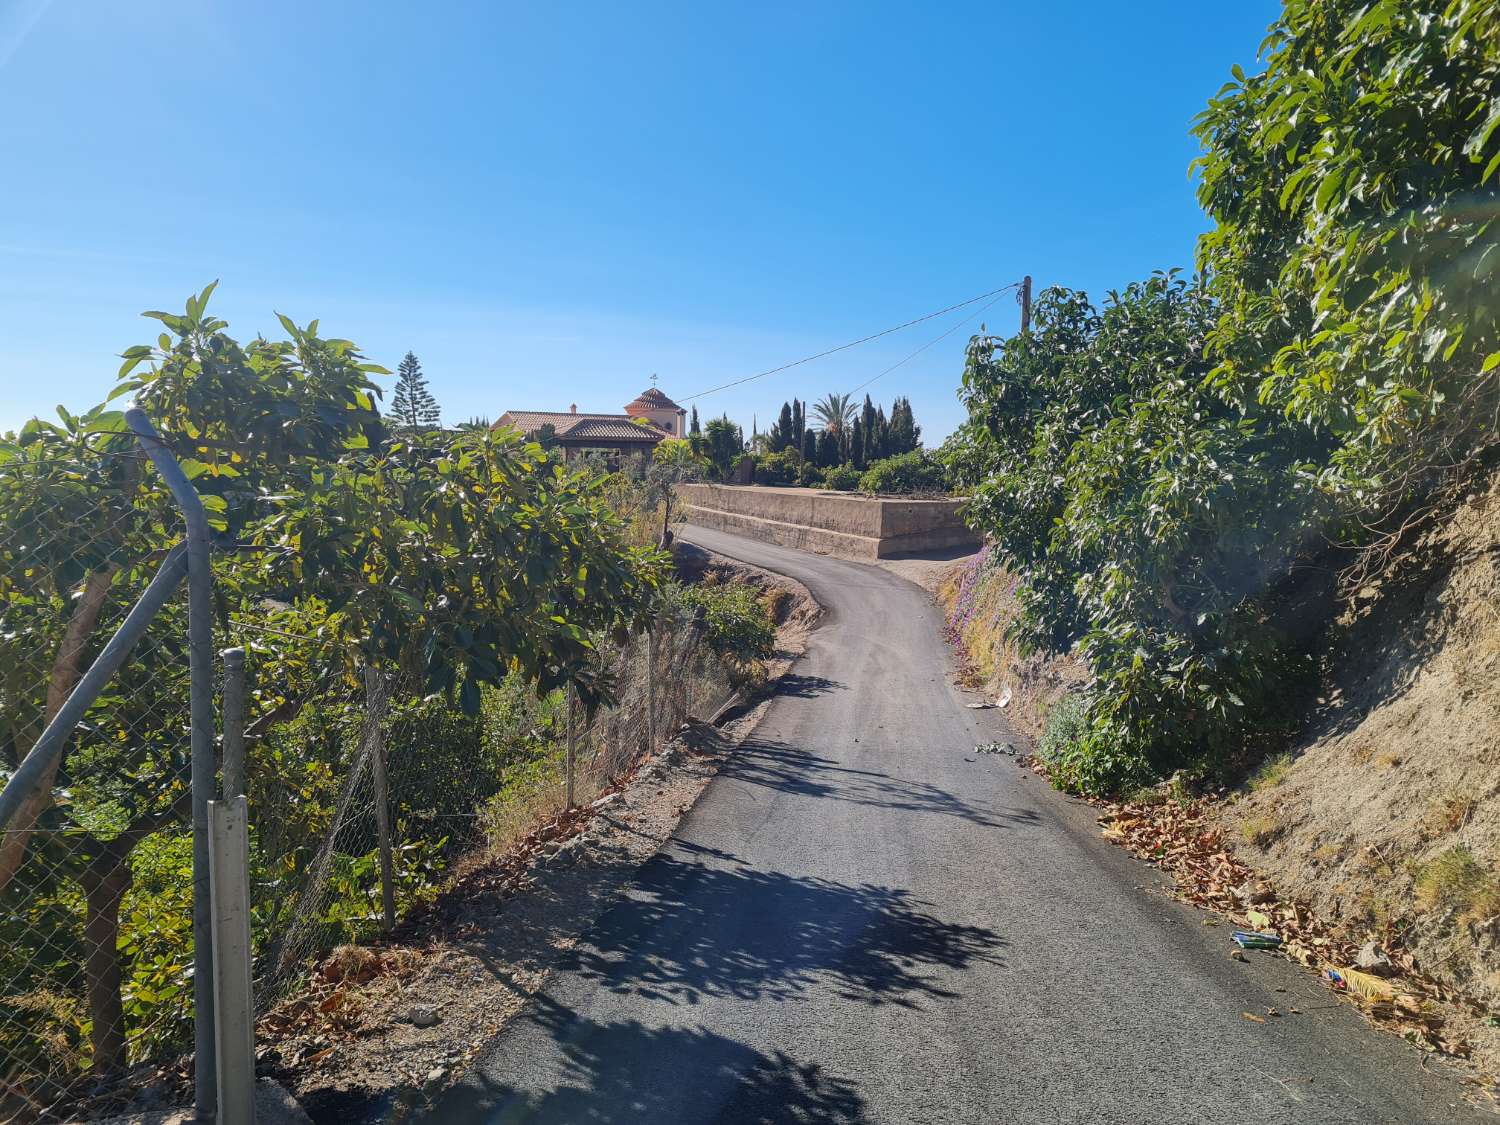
<point x="606" y="427"/>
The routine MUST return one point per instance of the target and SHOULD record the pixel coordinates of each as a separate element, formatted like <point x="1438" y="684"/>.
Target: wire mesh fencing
<point x="91" y="906"/>
<point x="455" y="785"/>
<point x="364" y="793"/>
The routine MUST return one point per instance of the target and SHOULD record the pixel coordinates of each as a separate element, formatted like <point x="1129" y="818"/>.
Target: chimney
<point x="573" y="409"/>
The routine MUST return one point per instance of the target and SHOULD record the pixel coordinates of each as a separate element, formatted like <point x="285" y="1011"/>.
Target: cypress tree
<point x="828" y="449"/>
<point x="782" y="435"/>
<point x="857" y="443"/>
<point x="412" y="406"/>
<point x="693" y="424"/>
<point x="809" y="447"/>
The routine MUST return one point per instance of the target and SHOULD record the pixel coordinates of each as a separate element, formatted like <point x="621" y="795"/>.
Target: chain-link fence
<point x="97" y="965"/>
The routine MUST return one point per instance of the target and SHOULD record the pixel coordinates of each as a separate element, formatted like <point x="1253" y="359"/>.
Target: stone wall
<point x="828" y="523"/>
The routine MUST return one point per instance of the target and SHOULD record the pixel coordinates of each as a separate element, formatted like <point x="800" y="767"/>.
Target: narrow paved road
<point x="863" y="920"/>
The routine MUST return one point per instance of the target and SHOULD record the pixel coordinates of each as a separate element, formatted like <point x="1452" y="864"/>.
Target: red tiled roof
<point x="653" y="399"/>
<point x="577" y="427"/>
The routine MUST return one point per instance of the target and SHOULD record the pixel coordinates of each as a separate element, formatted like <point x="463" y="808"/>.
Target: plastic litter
<point x="1364" y="985"/>
<point x="1251" y="939"/>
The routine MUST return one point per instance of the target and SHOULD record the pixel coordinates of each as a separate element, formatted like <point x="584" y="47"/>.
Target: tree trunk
<point x="105" y="881"/>
<point x="67" y="669"/>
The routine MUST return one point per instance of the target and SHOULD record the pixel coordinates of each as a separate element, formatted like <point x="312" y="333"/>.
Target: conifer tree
<point x="412" y="406"/>
<point x="693" y="423"/>
<point x="782" y="433"/>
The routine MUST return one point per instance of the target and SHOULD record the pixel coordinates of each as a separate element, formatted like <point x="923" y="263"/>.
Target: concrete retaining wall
<point x="828" y="523"/>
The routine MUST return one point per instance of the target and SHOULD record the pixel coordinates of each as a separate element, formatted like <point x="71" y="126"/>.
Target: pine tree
<point x="693" y="424"/>
<point x="412" y="406"/>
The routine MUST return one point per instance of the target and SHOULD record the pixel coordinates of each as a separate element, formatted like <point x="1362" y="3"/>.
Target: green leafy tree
<point x="457" y="566"/>
<point x="1354" y="186"/>
<point x="413" y="408"/>
<point x="724" y="442"/>
<point x="1152" y="523"/>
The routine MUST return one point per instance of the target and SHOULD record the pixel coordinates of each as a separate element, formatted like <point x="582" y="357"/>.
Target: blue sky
<point x="550" y="202"/>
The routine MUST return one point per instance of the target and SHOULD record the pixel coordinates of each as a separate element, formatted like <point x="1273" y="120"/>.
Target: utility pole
<point x="1026" y="305"/>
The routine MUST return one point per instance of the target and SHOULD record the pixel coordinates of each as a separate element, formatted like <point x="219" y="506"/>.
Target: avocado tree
<point x="456" y="564"/>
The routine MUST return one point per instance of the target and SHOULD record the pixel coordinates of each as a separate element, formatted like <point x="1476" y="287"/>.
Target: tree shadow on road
<point x="807" y="687"/>
<point x="690" y="930"/>
<point x="627" y="1072"/>
<point x="788" y="769"/>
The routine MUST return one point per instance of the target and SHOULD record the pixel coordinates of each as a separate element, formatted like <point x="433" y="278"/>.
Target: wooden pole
<point x="1026" y="305"/>
<point x="374" y="713"/>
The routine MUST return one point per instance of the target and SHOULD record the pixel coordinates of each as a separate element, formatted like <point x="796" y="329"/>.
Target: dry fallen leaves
<point x="1177" y="837"/>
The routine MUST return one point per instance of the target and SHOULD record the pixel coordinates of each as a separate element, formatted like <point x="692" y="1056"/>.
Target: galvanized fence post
<point x="201" y="664"/>
<point x="568" y="726"/>
<point x="229" y="864"/>
<point x="651" y="689"/>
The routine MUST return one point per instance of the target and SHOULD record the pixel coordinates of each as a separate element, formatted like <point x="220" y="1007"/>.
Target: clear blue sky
<point x="548" y="202"/>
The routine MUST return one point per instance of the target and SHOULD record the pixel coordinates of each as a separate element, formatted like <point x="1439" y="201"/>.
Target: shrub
<point x="808" y="475"/>
<point x="841" y="478"/>
<point x="1152" y="523"/>
<point x="905" y="474"/>
<point x="738" y="625"/>
<point x="778" y="468"/>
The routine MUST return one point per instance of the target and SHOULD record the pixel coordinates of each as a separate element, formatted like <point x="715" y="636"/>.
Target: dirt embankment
<point x="978" y="597"/>
<point x="383" y="1028"/>
<point x="1386" y="815"/>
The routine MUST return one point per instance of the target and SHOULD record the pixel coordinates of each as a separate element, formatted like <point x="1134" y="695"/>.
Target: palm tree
<point x="835" y="411"/>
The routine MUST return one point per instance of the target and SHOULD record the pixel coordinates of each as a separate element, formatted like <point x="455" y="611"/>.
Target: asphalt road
<point x="864" y="920"/>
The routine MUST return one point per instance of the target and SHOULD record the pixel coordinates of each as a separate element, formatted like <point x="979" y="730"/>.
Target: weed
<point x="1455" y="880"/>
<point x="1260" y="829"/>
<point x="1450" y="813"/>
<point x="1272" y="772"/>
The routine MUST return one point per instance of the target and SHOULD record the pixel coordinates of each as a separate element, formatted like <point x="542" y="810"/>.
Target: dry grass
<point x="1260" y="829"/>
<point x="1455" y="880"/>
<point x="1387" y="761"/>
<point x="1448" y="813"/>
<point x="1272" y="772"/>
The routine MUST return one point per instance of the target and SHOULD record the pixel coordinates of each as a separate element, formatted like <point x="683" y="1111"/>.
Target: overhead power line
<point x="948" y="332"/>
<point x="853" y="343"/>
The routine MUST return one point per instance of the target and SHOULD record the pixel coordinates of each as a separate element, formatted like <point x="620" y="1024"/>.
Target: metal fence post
<point x="375" y="713"/>
<point x="201" y="664"/>
<point x="234" y="1012"/>
<point x="568" y="724"/>
<point x="651" y="690"/>
<point x="232" y="767"/>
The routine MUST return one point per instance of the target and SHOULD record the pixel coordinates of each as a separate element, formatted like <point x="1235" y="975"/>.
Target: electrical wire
<point x="924" y="347"/>
<point x="853" y="343"/>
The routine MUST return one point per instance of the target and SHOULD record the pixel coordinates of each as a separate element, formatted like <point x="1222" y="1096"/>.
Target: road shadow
<point x="691" y="930"/>
<point x="627" y="1072"/>
<point x="807" y="687"/>
<point x="789" y="769"/>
